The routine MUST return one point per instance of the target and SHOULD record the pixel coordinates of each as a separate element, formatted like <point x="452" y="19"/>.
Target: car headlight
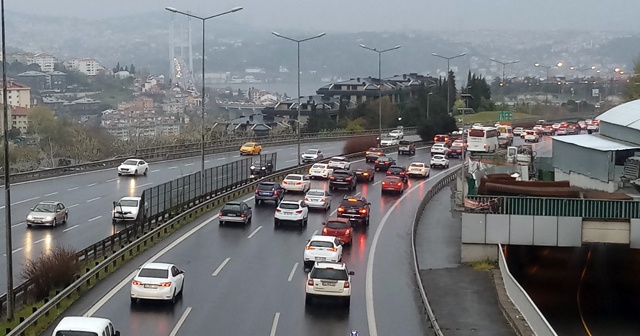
<point x="29" y="217"/>
<point x="48" y="218"/>
<point x="252" y="167"/>
<point x="263" y="168"/>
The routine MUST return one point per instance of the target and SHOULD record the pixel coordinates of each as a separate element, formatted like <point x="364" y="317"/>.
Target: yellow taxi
<point x="250" y="148"/>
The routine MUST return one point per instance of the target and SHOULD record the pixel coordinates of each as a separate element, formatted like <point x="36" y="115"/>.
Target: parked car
<point x="365" y="174"/>
<point x="342" y="179"/>
<point x="235" y="212"/>
<point x="383" y="163"/>
<point x="406" y="147"/>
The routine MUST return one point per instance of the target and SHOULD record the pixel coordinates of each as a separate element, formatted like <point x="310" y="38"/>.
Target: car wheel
<point x="28" y="225"/>
<point x="119" y="174"/>
<point x="276" y="222"/>
<point x="174" y="297"/>
<point x="145" y="172"/>
<point x="256" y="201"/>
<point x="66" y="218"/>
<point x="221" y="223"/>
<point x="308" y="299"/>
<point x="347" y="302"/>
<point x="55" y="222"/>
<point x="134" y="300"/>
<point x="135" y="173"/>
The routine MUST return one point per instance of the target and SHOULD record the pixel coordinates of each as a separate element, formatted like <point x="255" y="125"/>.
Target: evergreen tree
<point x="632" y="89"/>
<point x="132" y="69"/>
<point x="116" y="68"/>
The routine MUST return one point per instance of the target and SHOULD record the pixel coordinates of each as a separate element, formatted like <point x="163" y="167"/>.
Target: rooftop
<point x="627" y="114"/>
<point x="596" y="141"/>
<point x="31" y="73"/>
<point x="19" y="111"/>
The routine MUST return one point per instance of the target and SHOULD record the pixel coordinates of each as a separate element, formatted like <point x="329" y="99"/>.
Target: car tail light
<point x="485" y="145"/>
<point x="136" y="283"/>
<point x="383" y="182"/>
<point x="310" y="282"/>
<point x="363" y="211"/>
<point x="256" y="191"/>
<point x="220" y="214"/>
<point x="298" y="211"/>
<point x="275" y="193"/>
<point x="347" y="231"/>
<point x="377" y="161"/>
<point x="309" y="248"/>
<point x="278" y="210"/>
<point x="324" y="230"/>
<point x="332" y="178"/>
<point x="298" y="183"/>
<point x="388" y="172"/>
<point x="365" y="174"/>
<point x="332" y="249"/>
<point x="366" y="153"/>
<point x="323" y="200"/>
<point x="401" y="173"/>
<point x="165" y="284"/>
<point x="399" y="183"/>
<point x="388" y="162"/>
<point x="243" y="215"/>
<point x="346" y="284"/>
<point x="347" y="179"/>
<point x="340" y="209"/>
<point x="306" y="199"/>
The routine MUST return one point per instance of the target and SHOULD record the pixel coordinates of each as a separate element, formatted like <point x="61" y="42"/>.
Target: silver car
<point x="48" y="213"/>
<point x="318" y="198"/>
<point x="312" y="155"/>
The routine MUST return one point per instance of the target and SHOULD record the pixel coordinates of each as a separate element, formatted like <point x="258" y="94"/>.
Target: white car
<point x="397" y="134"/>
<point x="389" y="141"/>
<point x="439" y="148"/>
<point x="157" y="281"/>
<point x="593" y="127"/>
<point x="296" y="182"/>
<point x="291" y="211"/>
<point x="339" y="162"/>
<point x="518" y="131"/>
<point x="418" y="169"/>
<point x="127" y="209"/>
<point x="318" y="198"/>
<point x="133" y="167"/>
<point x="532" y="136"/>
<point x="312" y="155"/>
<point x="556" y="125"/>
<point x="538" y="128"/>
<point x="320" y="170"/>
<point x="329" y="280"/>
<point x="322" y="248"/>
<point x="439" y="160"/>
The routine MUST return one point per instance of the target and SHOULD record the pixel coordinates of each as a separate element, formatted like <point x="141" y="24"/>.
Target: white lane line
<point x="126" y="280"/>
<point x="293" y="271"/>
<point x="236" y="156"/>
<point x="71" y="228"/>
<point x="95" y="218"/>
<point x="74" y="188"/>
<point x="39" y="241"/>
<point x="174" y="332"/>
<point x="371" y="314"/>
<point x="220" y="159"/>
<point x="314" y="233"/>
<point x="220" y="267"/>
<point x="93" y="199"/>
<point x="91" y="185"/>
<point x="73" y="206"/>
<point x="14" y="251"/>
<point x="206" y="161"/>
<point x="274" y="326"/>
<point x="111" y="180"/>
<point x="377" y="183"/>
<point x="189" y="164"/>
<point x="172" y="167"/>
<point x="254" y="232"/>
<point x="51" y="194"/>
<point x="292" y="160"/>
<point x="248" y="199"/>
<point x="16" y="225"/>
<point x="155" y="170"/>
<point x="144" y="185"/>
<point x="23" y="201"/>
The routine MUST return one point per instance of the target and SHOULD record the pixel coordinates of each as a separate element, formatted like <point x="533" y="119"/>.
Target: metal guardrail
<point x="118" y="244"/>
<point x="561" y="207"/>
<point x="162" y="153"/>
<point x="416" y="268"/>
<point x="536" y="321"/>
<point x="533" y="121"/>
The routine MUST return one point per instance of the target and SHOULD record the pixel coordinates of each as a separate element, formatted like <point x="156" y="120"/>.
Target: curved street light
<point x="546" y="85"/>
<point x="448" y="70"/>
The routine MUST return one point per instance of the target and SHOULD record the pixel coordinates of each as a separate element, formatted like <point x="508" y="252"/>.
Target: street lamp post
<point x="202" y="95"/>
<point x="546" y="85"/>
<point x="298" y="43"/>
<point x="428" y="104"/>
<point x="380" y="52"/>
<point x="7" y="182"/>
<point x="504" y="86"/>
<point x="448" y="83"/>
<point x="582" y="78"/>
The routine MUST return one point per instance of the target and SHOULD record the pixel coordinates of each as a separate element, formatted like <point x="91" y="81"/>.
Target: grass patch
<point x="491" y="116"/>
<point x="483" y="265"/>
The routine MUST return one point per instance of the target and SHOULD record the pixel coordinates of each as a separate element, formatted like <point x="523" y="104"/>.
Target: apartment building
<point x="87" y="66"/>
<point x="20" y="118"/>
<point x="18" y="94"/>
<point x="45" y="61"/>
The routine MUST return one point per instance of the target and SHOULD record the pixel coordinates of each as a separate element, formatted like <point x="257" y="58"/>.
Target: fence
<point x="561" y="207"/>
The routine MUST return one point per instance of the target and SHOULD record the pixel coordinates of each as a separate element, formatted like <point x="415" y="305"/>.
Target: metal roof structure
<point x="596" y="141"/>
<point x="627" y="115"/>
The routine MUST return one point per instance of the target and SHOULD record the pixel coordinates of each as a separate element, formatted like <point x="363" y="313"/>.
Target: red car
<point x="339" y="228"/>
<point x="393" y="183"/>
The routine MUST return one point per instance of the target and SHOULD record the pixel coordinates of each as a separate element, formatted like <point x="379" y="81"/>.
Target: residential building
<point x="45" y="61"/>
<point x="143" y="103"/>
<point x="82" y="106"/>
<point x="87" y="66"/>
<point x="20" y="118"/>
<point x="54" y="103"/>
<point x="2" y="119"/>
<point x="130" y="124"/>
<point x="36" y="80"/>
<point x="18" y="94"/>
<point x="57" y="81"/>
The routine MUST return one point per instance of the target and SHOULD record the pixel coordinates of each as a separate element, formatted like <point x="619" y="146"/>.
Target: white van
<point x="85" y="326"/>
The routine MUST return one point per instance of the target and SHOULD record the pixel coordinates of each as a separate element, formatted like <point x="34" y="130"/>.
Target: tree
<point x="14" y="133"/>
<point x="451" y="86"/>
<point x="46" y="128"/>
<point x="319" y="121"/>
<point x="116" y="68"/>
<point x="132" y="69"/>
<point x="632" y="88"/>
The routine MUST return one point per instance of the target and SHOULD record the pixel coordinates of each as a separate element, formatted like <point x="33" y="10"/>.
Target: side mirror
<point x="308" y="240"/>
<point x="31" y="209"/>
<point x="117" y="333"/>
<point x="115" y="204"/>
<point x="368" y="203"/>
<point x="324" y="223"/>
<point x="181" y="272"/>
<point x="352" y="273"/>
<point x="249" y="208"/>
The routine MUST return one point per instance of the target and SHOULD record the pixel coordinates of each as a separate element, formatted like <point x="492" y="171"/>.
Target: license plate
<point x="352" y="211"/>
<point x="231" y="215"/>
<point x="328" y="283"/>
<point x="315" y="200"/>
<point x="151" y="286"/>
<point x="288" y="213"/>
<point x="321" y="258"/>
<point x="264" y="193"/>
<point x="37" y="221"/>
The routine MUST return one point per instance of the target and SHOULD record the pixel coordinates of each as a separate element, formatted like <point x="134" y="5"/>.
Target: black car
<point x="383" y="163"/>
<point x="269" y="191"/>
<point x="261" y="168"/>
<point x="455" y="151"/>
<point x="365" y="174"/>
<point x="398" y="171"/>
<point x="373" y="154"/>
<point x="342" y="179"/>
<point x="356" y="208"/>
<point x="235" y="212"/>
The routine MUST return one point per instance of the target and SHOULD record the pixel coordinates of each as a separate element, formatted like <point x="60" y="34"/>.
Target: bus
<point x="483" y="139"/>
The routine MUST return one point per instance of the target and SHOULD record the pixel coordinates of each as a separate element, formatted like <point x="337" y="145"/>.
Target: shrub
<point x="359" y="144"/>
<point x="51" y="270"/>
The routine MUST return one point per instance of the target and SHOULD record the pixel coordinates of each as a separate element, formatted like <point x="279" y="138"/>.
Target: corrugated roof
<point x="596" y="141"/>
<point x="627" y="114"/>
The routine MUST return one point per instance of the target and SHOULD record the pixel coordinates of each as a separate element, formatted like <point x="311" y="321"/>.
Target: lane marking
<point x="220" y="159"/>
<point x="292" y="160"/>
<point x="314" y="233"/>
<point x="206" y="161"/>
<point x="236" y="156"/>
<point x="189" y="164"/>
<point x="14" y="251"/>
<point x="74" y="188"/>
<point x="174" y="332"/>
<point x="143" y="185"/>
<point x="71" y="228"/>
<point x="172" y="167"/>
<point x="93" y="199"/>
<point x="220" y="267"/>
<point x="254" y="232"/>
<point x="155" y="170"/>
<point x="274" y="326"/>
<point x="95" y="218"/>
<point x="39" y="241"/>
<point x="91" y="185"/>
<point x="371" y="314"/>
<point x="51" y="194"/>
<point x="23" y="201"/>
<point x="73" y="206"/>
<point x="377" y="183"/>
<point x="16" y="225"/>
<point x="293" y="271"/>
<point x="111" y="180"/>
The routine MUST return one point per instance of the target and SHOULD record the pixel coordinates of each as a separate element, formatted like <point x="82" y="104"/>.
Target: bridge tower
<point x="181" y="53"/>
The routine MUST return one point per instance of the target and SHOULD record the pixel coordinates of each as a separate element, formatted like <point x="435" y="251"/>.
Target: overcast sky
<point x="374" y="15"/>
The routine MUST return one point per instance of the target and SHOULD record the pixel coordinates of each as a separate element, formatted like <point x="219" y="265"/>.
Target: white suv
<point x="339" y="162"/>
<point x="322" y="248"/>
<point x="291" y="211"/>
<point x="439" y="160"/>
<point x="320" y="170"/>
<point x="439" y="148"/>
<point x="328" y="279"/>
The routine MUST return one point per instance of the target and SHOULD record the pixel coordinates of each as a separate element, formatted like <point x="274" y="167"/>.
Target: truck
<point x="129" y="209"/>
<point x="522" y="155"/>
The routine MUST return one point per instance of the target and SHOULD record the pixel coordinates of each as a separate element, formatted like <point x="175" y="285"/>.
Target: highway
<point x="89" y="197"/>
<point x="250" y="280"/>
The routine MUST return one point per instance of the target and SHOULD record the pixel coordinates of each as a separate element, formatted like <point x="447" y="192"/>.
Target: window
<point x="289" y="206"/>
<point x="75" y="333"/>
<point x="266" y="186"/>
<point x="154" y="273"/>
<point x="320" y="243"/>
<point x="316" y="193"/>
<point x="476" y="133"/>
<point x="329" y="274"/>
<point x="294" y="177"/>
<point x="337" y="225"/>
<point x="231" y="207"/>
<point x="129" y="203"/>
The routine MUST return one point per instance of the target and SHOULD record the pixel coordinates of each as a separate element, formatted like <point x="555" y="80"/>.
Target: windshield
<point x="293" y="177"/>
<point x="75" y="333"/>
<point x="337" y="225"/>
<point x="129" y="203"/>
<point x="417" y="165"/>
<point x="288" y="206"/>
<point x="338" y="159"/>
<point x="315" y="193"/>
<point x="329" y="274"/>
<point x="130" y="163"/>
<point x="311" y="151"/>
<point x="249" y="144"/>
<point x="231" y="207"/>
<point x="320" y="243"/>
<point x="438" y="157"/>
<point x="45" y="208"/>
<point x="154" y="273"/>
<point x="358" y="204"/>
<point x="396" y="169"/>
<point x="319" y="166"/>
<point x="265" y="186"/>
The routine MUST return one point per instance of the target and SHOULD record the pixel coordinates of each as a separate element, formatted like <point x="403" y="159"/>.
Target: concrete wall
<point x="580" y="180"/>
<point x="584" y="161"/>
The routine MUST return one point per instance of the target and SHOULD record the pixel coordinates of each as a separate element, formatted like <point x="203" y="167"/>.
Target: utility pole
<point x="448" y="81"/>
